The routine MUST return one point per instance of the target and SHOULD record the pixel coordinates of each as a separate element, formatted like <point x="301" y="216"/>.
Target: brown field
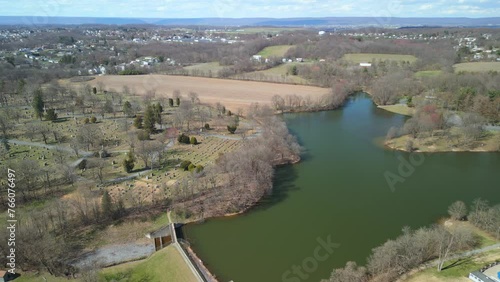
<point x="234" y="94"/>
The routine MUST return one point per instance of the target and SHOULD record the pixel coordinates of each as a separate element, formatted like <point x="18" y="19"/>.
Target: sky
<point x="250" y="8"/>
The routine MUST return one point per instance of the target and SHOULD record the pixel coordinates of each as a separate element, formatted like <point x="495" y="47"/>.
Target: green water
<point x="339" y="191"/>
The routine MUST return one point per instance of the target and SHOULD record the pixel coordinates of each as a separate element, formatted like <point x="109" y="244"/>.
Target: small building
<point x="162" y="237"/>
<point x="365" y="65"/>
<point x="478" y="276"/>
<point x="257" y="57"/>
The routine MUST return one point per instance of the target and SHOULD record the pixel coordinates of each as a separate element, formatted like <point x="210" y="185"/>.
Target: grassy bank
<point x="451" y="143"/>
<point x="164" y="265"/>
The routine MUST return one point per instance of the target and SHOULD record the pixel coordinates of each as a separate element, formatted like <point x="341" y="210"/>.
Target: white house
<point x="257" y="57"/>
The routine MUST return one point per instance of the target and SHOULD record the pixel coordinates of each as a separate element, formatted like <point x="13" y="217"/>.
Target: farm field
<point x="251" y="30"/>
<point x="429" y="73"/>
<point x="477" y="67"/>
<point x="214" y="67"/>
<point x="274" y="51"/>
<point x="368" y="57"/>
<point x="233" y="94"/>
<point x="277" y="74"/>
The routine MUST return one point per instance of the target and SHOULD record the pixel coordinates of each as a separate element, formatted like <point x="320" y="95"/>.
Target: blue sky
<point x="250" y="8"/>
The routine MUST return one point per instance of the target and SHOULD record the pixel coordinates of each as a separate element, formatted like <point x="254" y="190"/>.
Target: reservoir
<point x="336" y="204"/>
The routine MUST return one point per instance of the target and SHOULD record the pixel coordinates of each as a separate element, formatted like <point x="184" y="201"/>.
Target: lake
<point x="336" y="204"/>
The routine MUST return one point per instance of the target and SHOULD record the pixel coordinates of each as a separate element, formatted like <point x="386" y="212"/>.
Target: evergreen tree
<point x="38" y="103"/>
<point x="138" y="122"/>
<point x="170" y="102"/>
<point x="178" y="101"/>
<point x="149" y="119"/>
<point x="127" y="109"/>
<point x="107" y="205"/>
<point x="51" y="115"/>
<point x="129" y="162"/>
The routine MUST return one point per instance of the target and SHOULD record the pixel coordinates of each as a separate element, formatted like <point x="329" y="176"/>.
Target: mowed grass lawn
<point x="456" y="270"/>
<point x="477" y="67"/>
<point x="164" y="265"/>
<point x="369" y="57"/>
<point x="399" y="109"/>
<point x="275" y="51"/>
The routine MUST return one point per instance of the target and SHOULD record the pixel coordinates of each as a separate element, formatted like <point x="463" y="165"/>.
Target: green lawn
<point x="477" y="67"/>
<point x="274" y="51"/>
<point x="399" y="109"/>
<point x="165" y="265"/>
<point x="456" y="270"/>
<point x="369" y="57"/>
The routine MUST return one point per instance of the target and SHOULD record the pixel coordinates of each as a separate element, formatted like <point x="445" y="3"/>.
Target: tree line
<point x="415" y="247"/>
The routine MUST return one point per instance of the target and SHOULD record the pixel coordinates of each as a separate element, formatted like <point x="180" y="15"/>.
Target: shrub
<point x="207" y="126"/>
<point x="86" y="120"/>
<point x="229" y="113"/>
<point x="199" y="168"/>
<point x="184" y="139"/>
<point x="185" y="165"/>
<point x="193" y="141"/>
<point x="130" y="72"/>
<point x="83" y="164"/>
<point x="93" y="119"/>
<point x="138" y="122"/>
<point x="51" y="115"/>
<point x="191" y="167"/>
<point x="129" y="162"/>
<point x="232" y="128"/>
<point x="143" y="135"/>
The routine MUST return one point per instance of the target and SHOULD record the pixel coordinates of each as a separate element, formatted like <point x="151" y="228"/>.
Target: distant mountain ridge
<point x="292" y="22"/>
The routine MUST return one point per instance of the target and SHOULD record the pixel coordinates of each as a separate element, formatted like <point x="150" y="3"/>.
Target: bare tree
<point x="458" y="210"/>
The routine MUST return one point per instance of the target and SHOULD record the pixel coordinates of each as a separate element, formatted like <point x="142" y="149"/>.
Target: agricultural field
<point x="429" y="73"/>
<point x="477" y="67"/>
<point x="205" y="68"/>
<point x="233" y="94"/>
<point x="369" y="57"/>
<point x="280" y="74"/>
<point x="275" y="51"/>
